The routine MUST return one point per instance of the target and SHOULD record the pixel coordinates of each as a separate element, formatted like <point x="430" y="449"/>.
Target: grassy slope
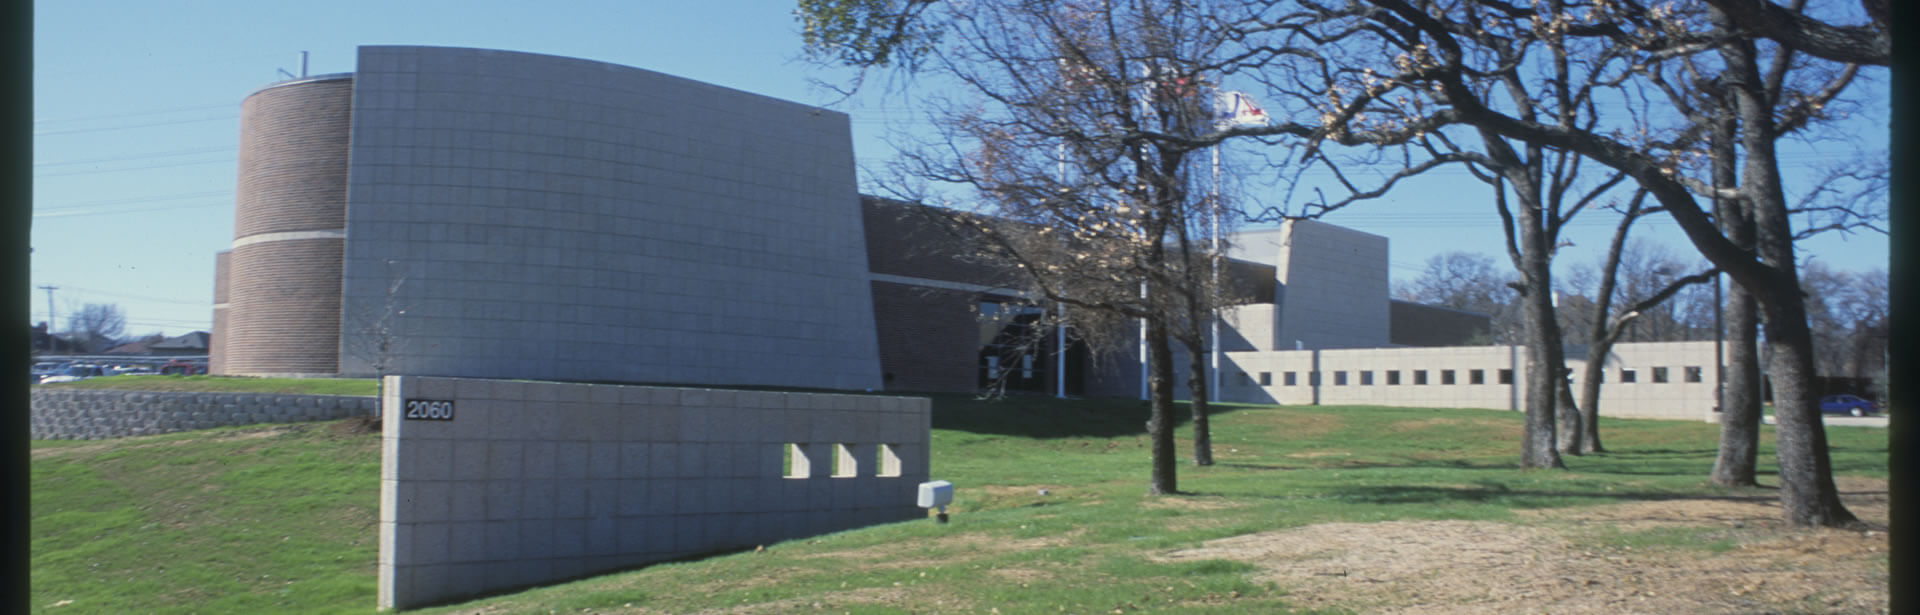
<point x="222" y="522"/>
<point x="366" y="387"/>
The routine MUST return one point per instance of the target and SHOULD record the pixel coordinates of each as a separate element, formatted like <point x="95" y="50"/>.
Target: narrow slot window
<point x="796" y="463"/>
<point x="845" y="465"/>
<point x="887" y="461"/>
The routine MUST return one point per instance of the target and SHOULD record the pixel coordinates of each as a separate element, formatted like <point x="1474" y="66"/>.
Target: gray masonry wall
<point x="516" y="215"/>
<point x="1671" y="380"/>
<point x="65" y="414"/>
<point x="535" y="482"/>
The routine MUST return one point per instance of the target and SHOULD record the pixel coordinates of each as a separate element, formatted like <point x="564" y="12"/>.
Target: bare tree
<point x="1468" y="281"/>
<point x="96" y="326"/>
<point x="1442" y="59"/>
<point x="1077" y="134"/>
<point x="1607" y="324"/>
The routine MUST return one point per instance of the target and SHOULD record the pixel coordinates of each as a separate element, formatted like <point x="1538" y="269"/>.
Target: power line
<point x="133" y="126"/>
<point x="109" y="116"/>
<point x="166" y="154"/>
<point x="138" y="168"/>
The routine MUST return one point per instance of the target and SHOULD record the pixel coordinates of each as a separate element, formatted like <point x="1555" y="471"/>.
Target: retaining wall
<point x="496" y="484"/>
<point x="65" y="414"/>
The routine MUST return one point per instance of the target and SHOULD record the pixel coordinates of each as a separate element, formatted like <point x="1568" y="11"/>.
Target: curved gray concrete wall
<point x="65" y="414"/>
<point x="515" y="215"/>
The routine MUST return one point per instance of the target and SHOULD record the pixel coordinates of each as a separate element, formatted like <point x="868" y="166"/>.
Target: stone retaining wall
<point x="66" y="414"/>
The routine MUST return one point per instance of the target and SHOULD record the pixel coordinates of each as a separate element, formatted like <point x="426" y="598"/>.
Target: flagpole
<point x="1214" y="383"/>
<point x="1060" y="326"/>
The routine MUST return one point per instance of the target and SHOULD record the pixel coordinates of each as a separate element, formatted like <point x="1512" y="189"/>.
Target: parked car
<point x="183" y="368"/>
<point x="1846" y="404"/>
<point x="70" y="373"/>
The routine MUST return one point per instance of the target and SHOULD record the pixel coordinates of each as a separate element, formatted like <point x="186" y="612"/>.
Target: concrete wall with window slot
<point x="1670" y="380"/>
<point x="487" y="485"/>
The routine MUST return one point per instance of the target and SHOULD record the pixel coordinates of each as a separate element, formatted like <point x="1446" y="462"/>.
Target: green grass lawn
<point x="271" y="520"/>
<point x="366" y="387"/>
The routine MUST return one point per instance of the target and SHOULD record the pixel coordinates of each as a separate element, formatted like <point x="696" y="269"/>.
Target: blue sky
<point x="136" y="117"/>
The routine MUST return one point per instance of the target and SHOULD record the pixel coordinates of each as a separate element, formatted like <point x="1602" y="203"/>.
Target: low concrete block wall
<point x="65" y="414"/>
<point x="489" y="484"/>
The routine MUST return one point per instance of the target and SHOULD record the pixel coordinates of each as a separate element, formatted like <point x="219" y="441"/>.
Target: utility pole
<point x="50" y="319"/>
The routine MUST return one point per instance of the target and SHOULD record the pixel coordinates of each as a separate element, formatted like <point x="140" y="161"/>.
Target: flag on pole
<point x="1236" y="110"/>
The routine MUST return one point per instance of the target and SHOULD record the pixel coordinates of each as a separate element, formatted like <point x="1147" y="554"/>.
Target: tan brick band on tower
<point x="282" y="279"/>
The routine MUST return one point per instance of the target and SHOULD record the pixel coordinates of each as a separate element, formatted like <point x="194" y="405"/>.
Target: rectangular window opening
<point x="1266" y="379"/>
<point x="1366" y="378"/>
<point x="1419" y="376"/>
<point x="1245" y="379"/>
<point x="1393" y="377"/>
<point x="1628" y="375"/>
<point x="795" y="463"/>
<point x="887" y="461"/>
<point x="845" y="465"/>
<point x="1506" y="376"/>
<point x="1446" y="376"/>
<point x="1659" y="375"/>
<point x="1693" y="373"/>
<point x="1292" y="378"/>
<point x="1340" y="378"/>
<point x="1476" y="376"/>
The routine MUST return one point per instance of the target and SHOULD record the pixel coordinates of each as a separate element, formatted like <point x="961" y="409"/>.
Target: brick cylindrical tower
<point x="282" y="313"/>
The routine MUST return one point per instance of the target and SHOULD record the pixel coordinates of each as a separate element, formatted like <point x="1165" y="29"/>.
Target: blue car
<point x="1846" y="404"/>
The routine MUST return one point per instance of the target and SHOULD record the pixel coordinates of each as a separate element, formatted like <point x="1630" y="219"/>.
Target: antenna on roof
<point x="303" y="68"/>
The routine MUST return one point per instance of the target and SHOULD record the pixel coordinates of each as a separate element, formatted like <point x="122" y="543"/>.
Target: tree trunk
<point x="1740" y="409"/>
<point x="1160" y="424"/>
<point x="1807" y="494"/>
<point x="1806" y="472"/>
<point x="1197" y="384"/>
<point x="1590" y="377"/>
<point x="1570" y="424"/>
<point x="1544" y="377"/>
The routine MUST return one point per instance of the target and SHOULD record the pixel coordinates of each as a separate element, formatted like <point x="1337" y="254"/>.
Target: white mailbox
<point x="936" y="494"/>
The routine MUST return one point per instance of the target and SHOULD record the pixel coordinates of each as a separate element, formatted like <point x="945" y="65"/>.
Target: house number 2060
<point x="429" y="410"/>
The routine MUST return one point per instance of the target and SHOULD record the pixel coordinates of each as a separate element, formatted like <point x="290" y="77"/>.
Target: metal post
<point x="1719" y="349"/>
<point x="1143" y="347"/>
<point x="50" y="319"/>
<point x="1213" y="385"/>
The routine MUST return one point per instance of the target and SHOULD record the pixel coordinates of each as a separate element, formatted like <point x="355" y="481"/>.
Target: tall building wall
<point x="1332" y="287"/>
<point x="282" y="278"/>
<point x="552" y="218"/>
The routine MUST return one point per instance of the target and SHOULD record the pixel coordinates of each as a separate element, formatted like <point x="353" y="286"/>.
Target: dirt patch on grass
<point x="1195" y="502"/>
<point x="252" y="433"/>
<point x="1445" y="567"/>
<point x="1301" y="426"/>
<point x="909" y="555"/>
<point x="355" y="426"/>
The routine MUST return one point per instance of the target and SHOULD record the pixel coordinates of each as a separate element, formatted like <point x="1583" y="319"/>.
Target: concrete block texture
<point x="540" y="217"/>
<point x="468" y="507"/>
<point x="65" y="414"/>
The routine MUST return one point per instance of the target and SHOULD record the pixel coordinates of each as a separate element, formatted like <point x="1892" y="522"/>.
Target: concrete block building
<point x="479" y="213"/>
<point x="489" y="214"/>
